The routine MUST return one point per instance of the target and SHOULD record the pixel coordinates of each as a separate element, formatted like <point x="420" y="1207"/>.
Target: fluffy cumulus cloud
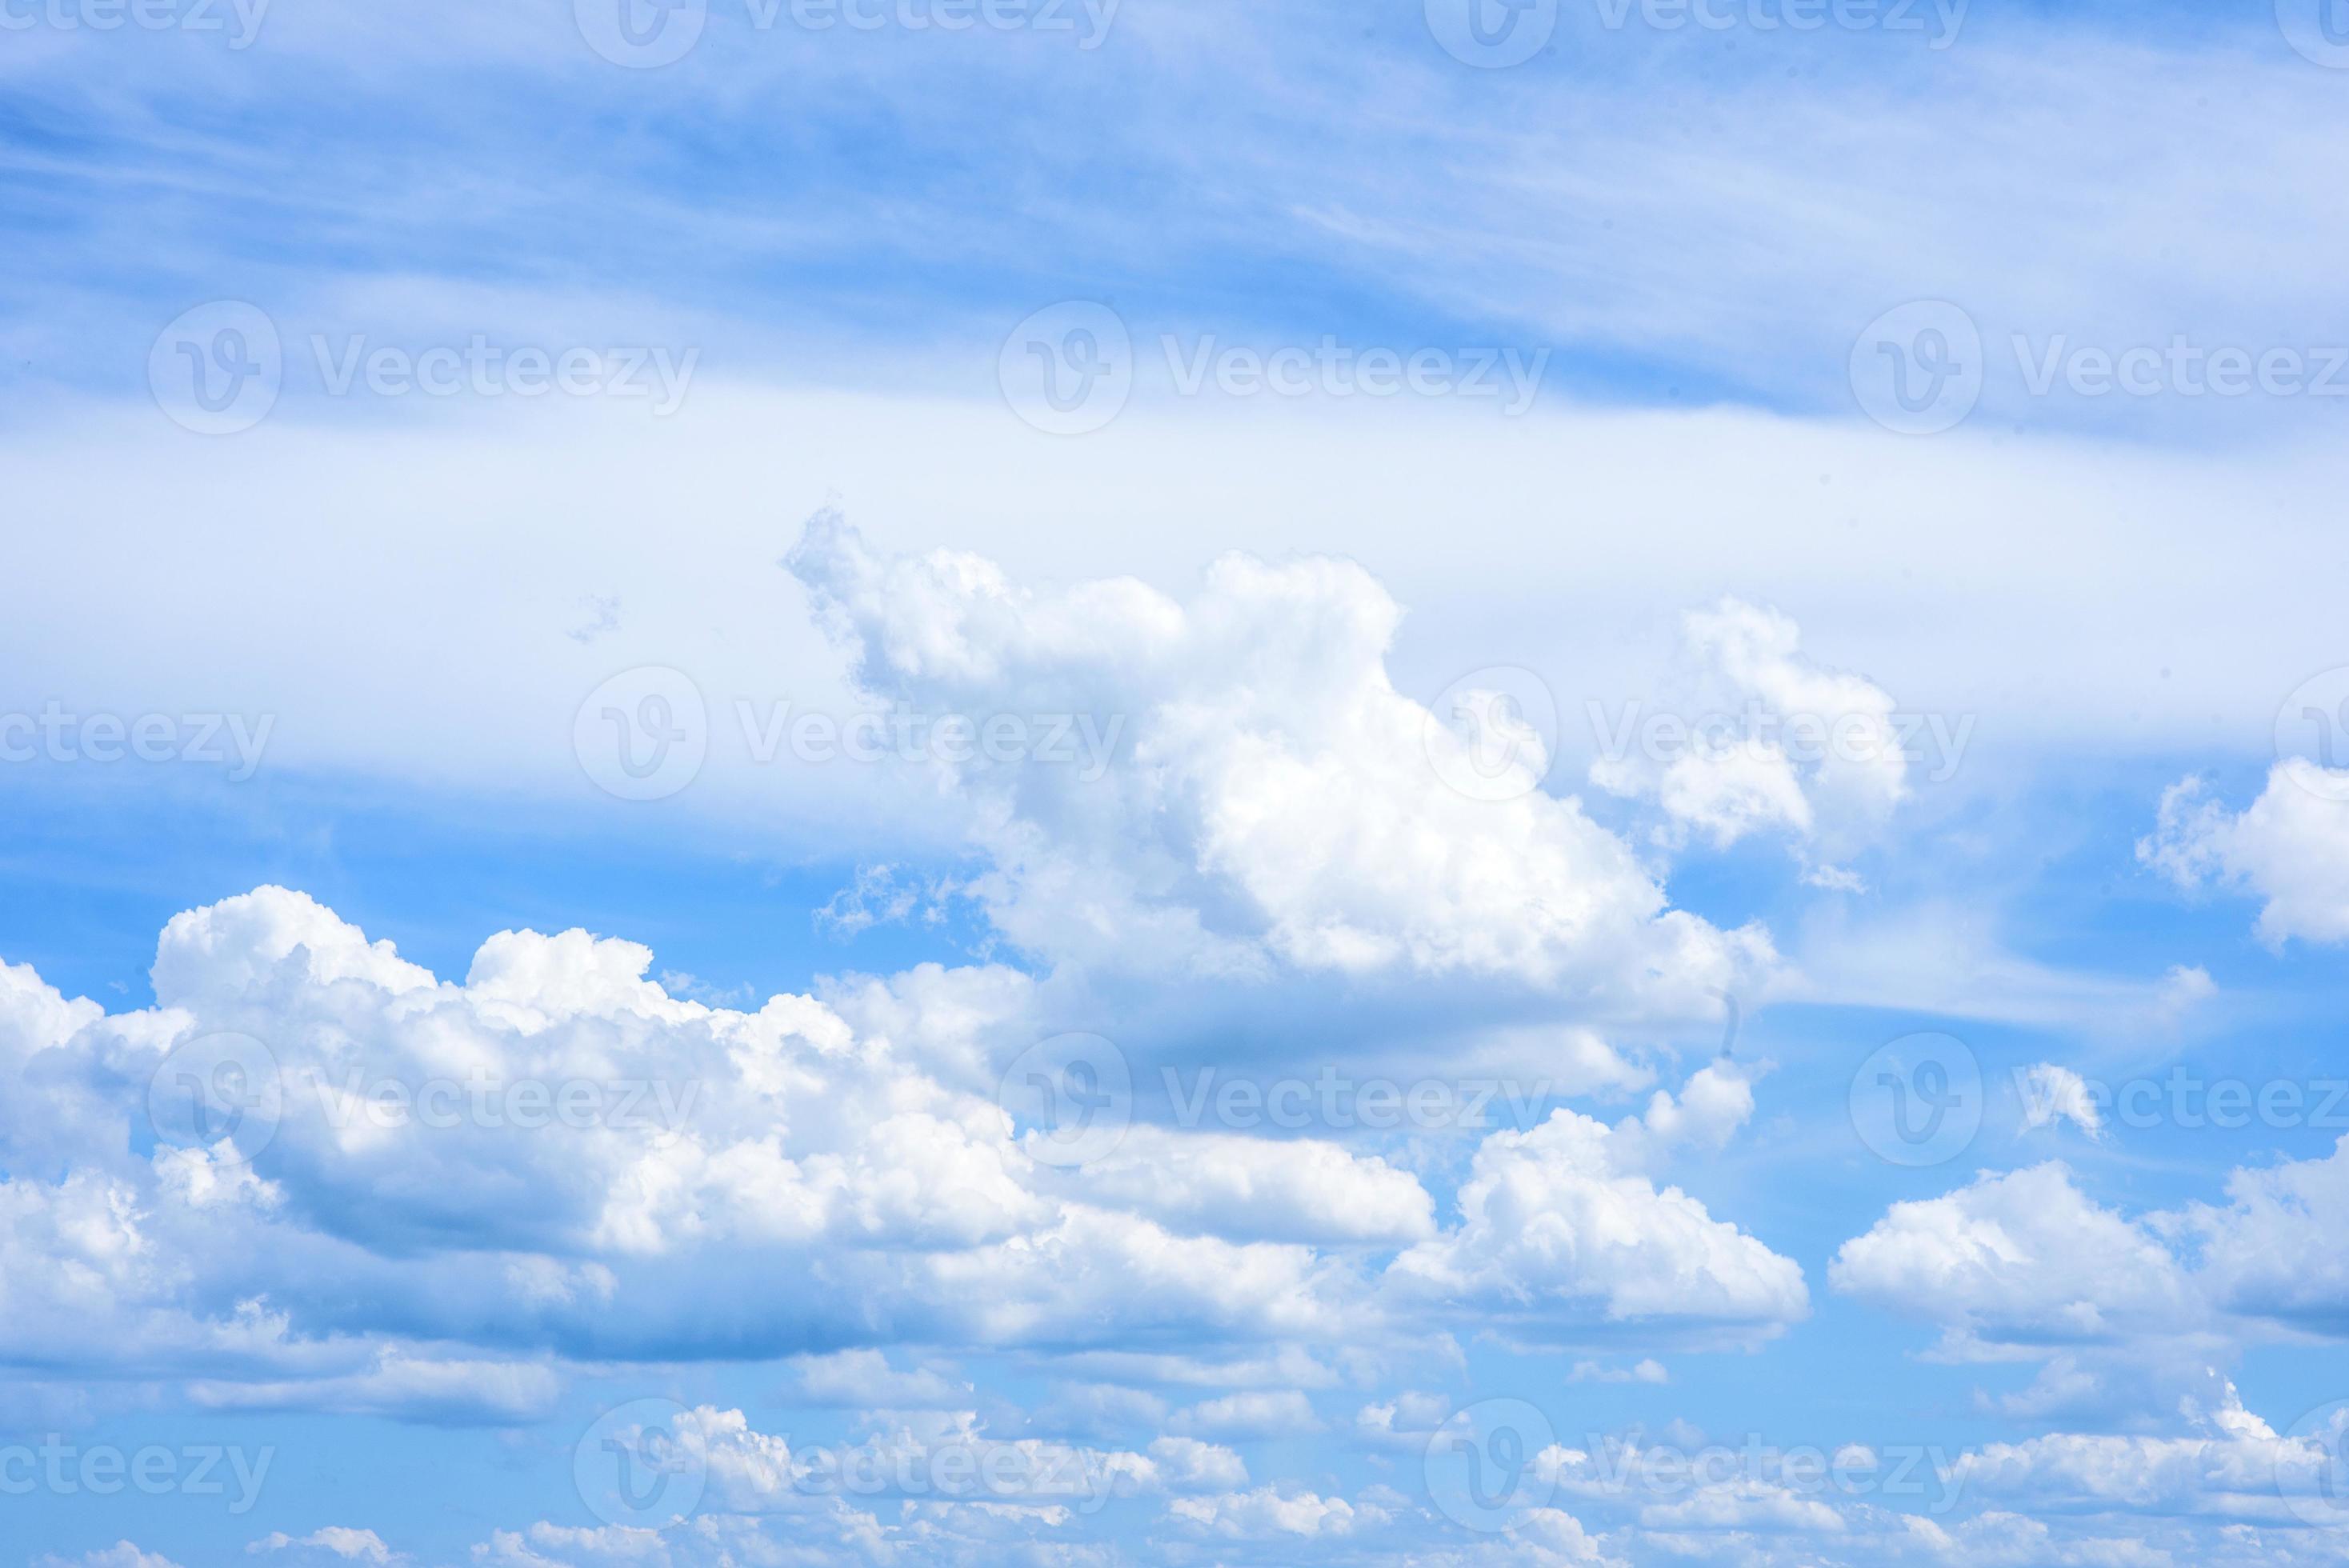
<point x="1272" y="804"/>
<point x="426" y="1197"/>
<point x="2289" y="848"/>
<point x="1752" y="736"/>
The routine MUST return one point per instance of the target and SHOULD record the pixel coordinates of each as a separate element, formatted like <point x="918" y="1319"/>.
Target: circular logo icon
<point x="644" y="733"/>
<point x="1918" y="1100"/>
<point x="1493" y="733"/>
<point x="2313" y="725"/>
<point x="1069" y="368"/>
<point x="1484" y="1467"/>
<point x="1076" y="1095"/>
<point x="1491" y="34"/>
<point x="214" y="1089"/>
<point x="217" y="368"/>
<point x="2313" y="1474"/>
<point x="641" y="33"/>
<point x="1917" y="369"/>
<point x="635" y="1465"/>
<point x="2317" y="29"/>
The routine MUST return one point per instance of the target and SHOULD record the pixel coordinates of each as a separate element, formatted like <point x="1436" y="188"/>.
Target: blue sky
<point x="1745" y="610"/>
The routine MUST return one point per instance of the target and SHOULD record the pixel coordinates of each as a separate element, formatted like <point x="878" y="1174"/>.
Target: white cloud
<point x="1765" y="739"/>
<point x="2052" y="1093"/>
<point x="2020" y="1258"/>
<point x="2289" y="848"/>
<point x="1558" y="1238"/>
<point x="1271" y="803"/>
